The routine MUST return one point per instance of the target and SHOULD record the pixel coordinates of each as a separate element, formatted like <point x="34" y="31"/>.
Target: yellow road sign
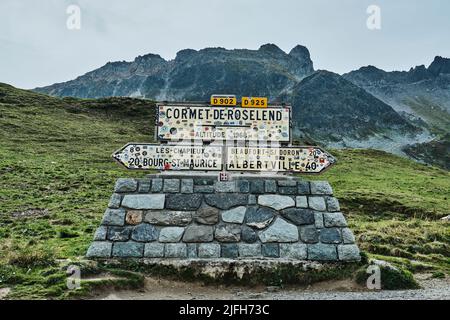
<point x="254" y="102"/>
<point x="223" y="100"/>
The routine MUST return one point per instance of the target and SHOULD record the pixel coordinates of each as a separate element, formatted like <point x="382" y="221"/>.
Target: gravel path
<point x="432" y="289"/>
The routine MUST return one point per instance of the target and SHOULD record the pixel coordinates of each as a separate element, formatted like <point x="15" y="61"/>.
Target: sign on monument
<point x="283" y="159"/>
<point x="146" y="156"/>
<point x="253" y="125"/>
<point x="202" y="122"/>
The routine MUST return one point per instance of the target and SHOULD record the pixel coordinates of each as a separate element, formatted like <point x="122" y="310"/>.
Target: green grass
<point x="55" y="162"/>
<point x="433" y="114"/>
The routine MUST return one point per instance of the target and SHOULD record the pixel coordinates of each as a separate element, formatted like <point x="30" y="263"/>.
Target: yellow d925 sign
<point x="223" y="100"/>
<point x="254" y="102"/>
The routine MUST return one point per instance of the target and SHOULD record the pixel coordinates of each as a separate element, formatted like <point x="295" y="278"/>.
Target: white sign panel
<point x="145" y="156"/>
<point x="284" y="159"/>
<point x="198" y="122"/>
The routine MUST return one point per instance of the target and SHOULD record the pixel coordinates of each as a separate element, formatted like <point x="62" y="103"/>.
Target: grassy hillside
<point x="56" y="177"/>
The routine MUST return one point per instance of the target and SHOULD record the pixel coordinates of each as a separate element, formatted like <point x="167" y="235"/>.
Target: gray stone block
<point x="143" y="201"/>
<point x="185" y="202"/>
<point x="309" y="234"/>
<point x="287" y="190"/>
<point x="154" y="250"/>
<point x="287" y="183"/>
<point x="171" y="185"/>
<point x="279" y="231"/>
<point x="271" y="186"/>
<point x="207" y="215"/>
<point x="229" y="250"/>
<point x="332" y="204"/>
<point x="321" y="187"/>
<point x="247" y="250"/>
<point x="257" y="186"/>
<point x="175" y="250"/>
<point x="99" y="249"/>
<point x="270" y="250"/>
<point x="303" y="188"/>
<point x="301" y="202"/>
<point x="119" y="233"/>
<point x="259" y="218"/>
<point x="226" y="232"/>
<point x="235" y="215"/>
<point x="226" y="201"/>
<point x="192" y="250"/>
<point x="317" y="203"/>
<point x="275" y="201"/>
<point x="144" y="185"/>
<point x="334" y="219"/>
<point x="248" y="235"/>
<point x="129" y="249"/>
<point x="114" y="201"/>
<point x="198" y="233"/>
<point x="187" y="186"/>
<point x="144" y="232"/>
<point x="204" y="181"/>
<point x="349" y="252"/>
<point x="208" y="250"/>
<point x="297" y="251"/>
<point x="318" y="220"/>
<point x="203" y="189"/>
<point x="298" y="216"/>
<point x="171" y="234"/>
<point x="157" y="185"/>
<point x="114" y="217"/>
<point x="330" y="235"/>
<point x="125" y="185"/>
<point x="251" y="199"/>
<point x="100" y="233"/>
<point x="225" y="186"/>
<point x="347" y="236"/>
<point x="169" y="217"/>
<point x="243" y="186"/>
<point x="322" y="252"/>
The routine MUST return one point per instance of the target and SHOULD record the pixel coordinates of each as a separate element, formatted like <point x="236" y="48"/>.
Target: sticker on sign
<point x="284" y="159"/>
<point x="223" y="100"/>
<point x="146" y="156"/>
<point x="201" y="122"/>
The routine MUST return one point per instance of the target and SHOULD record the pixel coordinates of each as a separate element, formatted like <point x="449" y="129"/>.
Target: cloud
<point x="37" y="49"/>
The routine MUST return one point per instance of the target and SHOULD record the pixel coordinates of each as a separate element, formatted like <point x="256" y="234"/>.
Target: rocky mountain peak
<point x="300" y="52"/>
<point x="185" y="54"/>
<point x="439" y="66"/>
<point x="271" y="48"/>
<point x="419" y="73"/>
<point x="149" y="58"/>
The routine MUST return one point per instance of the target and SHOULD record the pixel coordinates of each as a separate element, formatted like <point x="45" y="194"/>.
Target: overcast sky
<point x="37" y="48"/>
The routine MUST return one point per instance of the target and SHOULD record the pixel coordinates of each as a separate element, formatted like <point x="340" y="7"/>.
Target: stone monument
<point x="213" y="200"/>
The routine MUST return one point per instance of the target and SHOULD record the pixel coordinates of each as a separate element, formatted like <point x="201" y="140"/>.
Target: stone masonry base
<point x="202" y="218"/>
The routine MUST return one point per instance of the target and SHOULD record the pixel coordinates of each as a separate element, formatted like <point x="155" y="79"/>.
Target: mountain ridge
<point x="151" y="76"/>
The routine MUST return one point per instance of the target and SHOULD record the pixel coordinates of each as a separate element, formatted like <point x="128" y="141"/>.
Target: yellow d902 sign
<point x="223" y="100"/>
<point x="254" y="102"/>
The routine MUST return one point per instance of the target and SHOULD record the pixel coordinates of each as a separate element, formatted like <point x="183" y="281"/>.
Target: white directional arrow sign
<point x="283" y="159"/>
<point x="146" y="156"/>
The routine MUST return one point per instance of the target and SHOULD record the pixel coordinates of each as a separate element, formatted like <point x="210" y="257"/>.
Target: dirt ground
<point x="158" y="289"/>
